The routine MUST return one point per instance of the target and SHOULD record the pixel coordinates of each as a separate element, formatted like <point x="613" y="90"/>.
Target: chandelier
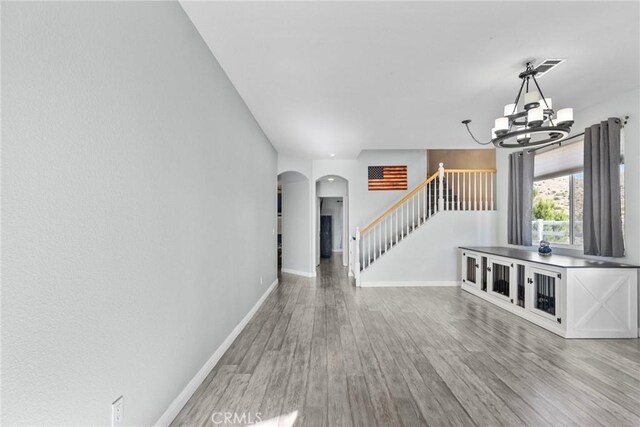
<point x="534" y="123"/>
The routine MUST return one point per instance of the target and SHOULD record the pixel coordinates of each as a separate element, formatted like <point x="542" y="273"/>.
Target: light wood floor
<point x="321" y="352"/>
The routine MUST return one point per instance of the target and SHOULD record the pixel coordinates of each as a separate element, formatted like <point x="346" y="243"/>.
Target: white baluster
<point x="441" y="189"/>
<point x="450" y="185"/>
<point x="402" y="222"/>
<point x="447" y="183"/>
<point x="374" y="245"/>
<point x="384" y="233"/>
<point x="480" y="190"/>
<point x="429" y="199"/>
<point x="464" y="192"/>
<point x="424" y="203"/>
<point x="406" y="210"/>
<point x="475" y="191"/>
<point x="395" y="228"/>
<point x="480" y="195"/>
<point x="458" y="191"/>
<point x="413" y="211"/>
<point x="486" y="191"/>
<point x="369" y="248"/>
<point x="491" y="180"/>
<point x="408" y="216"/>
<point x="453" y="193"/>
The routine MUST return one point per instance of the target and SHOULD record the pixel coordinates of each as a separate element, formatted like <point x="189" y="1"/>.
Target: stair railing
<point x="454" y="189"/>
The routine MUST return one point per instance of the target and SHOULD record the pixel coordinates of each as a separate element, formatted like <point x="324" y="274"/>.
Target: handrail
<point x="470" y="170"/>
<point x="398" y="204"/>
<point x="413" y="192"/>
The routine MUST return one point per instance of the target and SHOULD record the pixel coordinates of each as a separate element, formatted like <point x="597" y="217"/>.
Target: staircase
<point x="446" y="190"/>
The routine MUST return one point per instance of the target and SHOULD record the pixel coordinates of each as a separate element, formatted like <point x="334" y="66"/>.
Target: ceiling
<point x="326" y="78"/>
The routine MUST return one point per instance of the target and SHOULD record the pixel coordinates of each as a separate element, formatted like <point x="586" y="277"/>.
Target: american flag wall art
<point x="387" y="178"/>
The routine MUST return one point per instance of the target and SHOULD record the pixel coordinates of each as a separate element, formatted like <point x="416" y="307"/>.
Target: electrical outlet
<point x="261" y="280"/>
<point x="117" y="411"/>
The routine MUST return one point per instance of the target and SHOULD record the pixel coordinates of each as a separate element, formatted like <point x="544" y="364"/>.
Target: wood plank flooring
<point x="322" y="352"/>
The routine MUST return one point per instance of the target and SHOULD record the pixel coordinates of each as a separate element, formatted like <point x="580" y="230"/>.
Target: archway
<point x="294" y="223"/>
<point x="332" y="218"/>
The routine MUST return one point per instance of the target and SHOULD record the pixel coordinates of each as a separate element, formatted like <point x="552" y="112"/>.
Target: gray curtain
<point x="520" y="198"/>
<point x="602" y="224"/>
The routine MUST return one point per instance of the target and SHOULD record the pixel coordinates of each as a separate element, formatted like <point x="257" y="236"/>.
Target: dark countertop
<point x="555" y="260"/>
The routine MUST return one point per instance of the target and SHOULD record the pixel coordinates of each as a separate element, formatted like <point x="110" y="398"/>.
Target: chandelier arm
<point x="515" y="108"/>
<point x="466" y="123"/>
<point x="518" y="96"/>
<point x="543" y="98"/>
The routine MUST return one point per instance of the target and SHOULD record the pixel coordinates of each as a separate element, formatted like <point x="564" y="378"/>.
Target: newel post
<point x="356" y="261"/>
<point x="441" y="187"/>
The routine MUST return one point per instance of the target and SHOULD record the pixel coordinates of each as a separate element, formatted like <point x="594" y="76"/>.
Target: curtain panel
<point x="520" y="198"/>
<point x="602" y="224"/>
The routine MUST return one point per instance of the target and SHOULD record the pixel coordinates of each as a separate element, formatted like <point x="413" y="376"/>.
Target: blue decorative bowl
<point x="544" y="249"/>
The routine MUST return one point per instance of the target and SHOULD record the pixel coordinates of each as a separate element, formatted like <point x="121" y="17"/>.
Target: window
<point x="558" y="196"/>
<point x="557" y="209"/>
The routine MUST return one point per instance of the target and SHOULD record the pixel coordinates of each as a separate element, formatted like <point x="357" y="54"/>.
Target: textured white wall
<point x="431" y="253"/>
<point x="138" y="209"/>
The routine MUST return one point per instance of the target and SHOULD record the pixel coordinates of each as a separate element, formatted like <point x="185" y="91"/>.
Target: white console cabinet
<point x="572" y="297"/>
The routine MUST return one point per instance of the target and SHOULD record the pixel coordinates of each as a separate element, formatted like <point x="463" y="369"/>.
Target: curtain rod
<point x="560" y="143"/>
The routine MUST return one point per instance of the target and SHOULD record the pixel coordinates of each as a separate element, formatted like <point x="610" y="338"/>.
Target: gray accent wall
<point x="138" y="209"/>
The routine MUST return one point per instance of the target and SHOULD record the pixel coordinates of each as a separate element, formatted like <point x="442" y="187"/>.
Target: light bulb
<point x="510" y="109"/>
<point x="531" y="98"/>
<point x="546" y="103"/>
<point x="502" y="124"/>
<point x="535" y="116"/>
<point x="564" y="115"/>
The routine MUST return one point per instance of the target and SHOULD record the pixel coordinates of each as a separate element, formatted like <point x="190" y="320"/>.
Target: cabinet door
<point x="545" y="293"/>
<point x="499" y="279"/>
<point x="470" y="269"/>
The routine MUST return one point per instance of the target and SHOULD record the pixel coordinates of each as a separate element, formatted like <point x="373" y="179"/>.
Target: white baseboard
<point x="408" y="284"/>
<point x="298" y="272"/>
<point x="184" y="396"/>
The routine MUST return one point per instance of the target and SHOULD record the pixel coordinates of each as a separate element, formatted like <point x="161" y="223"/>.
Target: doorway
<point x="294" y="224"/>
<point x="332" y="220"/>
<point x="331" y="226"/>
